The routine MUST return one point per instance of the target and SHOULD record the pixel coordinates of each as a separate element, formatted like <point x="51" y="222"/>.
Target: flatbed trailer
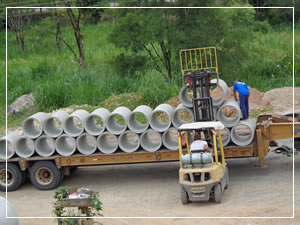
<point x="47" y="172"/>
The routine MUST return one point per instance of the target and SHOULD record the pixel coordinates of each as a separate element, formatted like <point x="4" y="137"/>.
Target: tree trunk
<point x="76" y="26"/>
<point x="80" y="48"/>
<point x="58" y="32"/>
<point x="167" y="58"/>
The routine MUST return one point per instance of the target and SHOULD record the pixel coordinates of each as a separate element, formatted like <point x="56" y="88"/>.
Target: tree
<point x="161" y="33"/>
<point x="16" y="19"/>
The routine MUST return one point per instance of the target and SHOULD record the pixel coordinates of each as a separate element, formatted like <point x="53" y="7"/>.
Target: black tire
<point x="44" y="175"/>
<point x="217" y="193"/>
<point x="184" y="196"/>
<point x="14" y="177"/>
<point x="226" y="174"/>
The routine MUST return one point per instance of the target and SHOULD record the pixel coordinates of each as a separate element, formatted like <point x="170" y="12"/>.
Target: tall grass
<point x="56" y="81"/>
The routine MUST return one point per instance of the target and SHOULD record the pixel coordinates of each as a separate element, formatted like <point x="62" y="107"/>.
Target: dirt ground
<point x="152" y="190"/>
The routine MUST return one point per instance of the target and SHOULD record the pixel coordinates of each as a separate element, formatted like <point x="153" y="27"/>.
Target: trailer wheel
<point x="217" y="193"/>
<point x="44" y="175"/>
<point x="14" y="177"/>
<point x="184" y="196"/>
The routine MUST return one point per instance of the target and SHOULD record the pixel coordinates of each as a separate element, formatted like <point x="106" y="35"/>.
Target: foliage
<point x="262" y="58"/>
<point x="276" y="16"/>
<point x="159" y="35"/>
<point x="59" y="211"/>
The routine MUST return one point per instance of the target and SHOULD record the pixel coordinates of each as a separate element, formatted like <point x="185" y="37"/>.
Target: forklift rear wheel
<point x="184" y="196"/>
<point x="44" y="175"/>
<point x="14" y="177"/>
<point x="217" y="193"/>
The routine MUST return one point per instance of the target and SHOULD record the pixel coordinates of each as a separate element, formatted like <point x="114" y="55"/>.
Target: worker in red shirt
<point x="244" y="94"/>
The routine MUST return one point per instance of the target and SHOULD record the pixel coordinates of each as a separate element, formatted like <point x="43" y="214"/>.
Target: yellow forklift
<point x="201" y="176"/>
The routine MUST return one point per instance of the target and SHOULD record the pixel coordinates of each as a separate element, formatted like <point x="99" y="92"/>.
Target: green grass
<point x="56" y="81"/>
<point x="255" y="114"/>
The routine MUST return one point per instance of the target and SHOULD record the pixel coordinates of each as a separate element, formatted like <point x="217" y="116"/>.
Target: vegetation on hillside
<point x="136" y="51"/>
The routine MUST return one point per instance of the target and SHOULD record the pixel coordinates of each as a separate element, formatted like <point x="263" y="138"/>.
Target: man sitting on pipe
<point x="244" y="94"/>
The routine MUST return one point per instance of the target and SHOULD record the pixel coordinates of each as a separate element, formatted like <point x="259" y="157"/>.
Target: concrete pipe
<point x="225" y="135"/>
<point x="34" y="125"/>
<point x="161" y="118"/>
<point x="170" y="139"/>
<point x="215" y="112"/>
<point x="44" y="146"/>
<point x="11" y="212"/>
<point x="74" y="124"/>
<point x="182" y="115"/>
<point x="53" y="126"/>
<point x="118" y="120"/>
<point x="223" y="86"/>
<point x="184" y="98"/>
<point x="142" y="113"/>
<point x="11" y="140"/>
<point x="25" y="147"/>
<point x="129" y="141"/>
<point x="96" y="121"/>
<point x="243" y="133"/>
<point x="86" y="144"/>
<point x="151" y="140"/>
<point x="107" y="143"/>
<point x="65" y="145"/>
<point x="229" y="121"/>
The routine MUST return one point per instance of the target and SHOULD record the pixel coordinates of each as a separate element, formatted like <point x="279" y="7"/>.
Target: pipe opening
<point x="32" y="128"/>
<point x="10" y="149"/>
<point x="116" y="124"/>
<point x="129" y="141"/>
<point x="138" y="122"/>
<point x="243" y="132"/>
<point x="160" y="121"/>
<point x="216" y="92"/>
<point x="86" y="144"/>
<point x="228" y="115"/>
<point x="94" y="125"/>
<point x="53" y="127"/>
<point x="24" y="147"/>
<point x="44" y="146"/>
<point x="151" y="141"/>
<point x="73" y="126"/>
<point x="170" y="139"/>
<point x="107" y="143"/>
<point x="65" y="145"/>
<point x="182" y="116"/>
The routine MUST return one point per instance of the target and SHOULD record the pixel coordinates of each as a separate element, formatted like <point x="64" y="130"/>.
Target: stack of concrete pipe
<point x="233" y="124"/>
<point x="102" y="131"/>
<point x="99" y="131"/>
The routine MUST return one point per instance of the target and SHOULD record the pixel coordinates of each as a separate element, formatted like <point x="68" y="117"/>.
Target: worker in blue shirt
<point x="244" y="94"/>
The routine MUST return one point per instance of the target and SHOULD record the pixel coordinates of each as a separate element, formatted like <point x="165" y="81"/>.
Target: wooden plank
<point x="81" y="202"/>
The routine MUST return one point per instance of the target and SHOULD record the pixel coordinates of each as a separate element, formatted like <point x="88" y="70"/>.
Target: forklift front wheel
<point x="184" y="196"/>
<point x="218" y="193"/>
<point x="226" y="177"/>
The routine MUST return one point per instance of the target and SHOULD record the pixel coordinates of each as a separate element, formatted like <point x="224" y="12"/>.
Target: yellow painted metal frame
<point x="199" y="59"/>
<point x="214" y="143"/>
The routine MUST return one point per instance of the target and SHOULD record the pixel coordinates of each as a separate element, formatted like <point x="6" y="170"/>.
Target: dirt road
<point x="152" y="190"/>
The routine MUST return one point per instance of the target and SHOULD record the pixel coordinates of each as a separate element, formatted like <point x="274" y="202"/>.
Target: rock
<point x="21" y="103"/>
